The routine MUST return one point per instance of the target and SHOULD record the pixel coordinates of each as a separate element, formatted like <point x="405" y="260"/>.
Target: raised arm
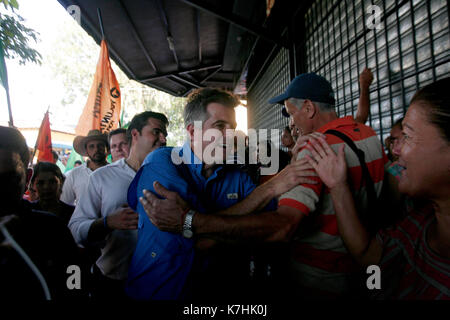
<point x="235" y="221"/>
<point x="365" y="80"/>
<point x="332" y="170"/>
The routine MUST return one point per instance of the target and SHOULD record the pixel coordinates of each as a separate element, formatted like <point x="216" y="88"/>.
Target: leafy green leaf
<point x="14" y="4"/>
<point x="16" y="37"/>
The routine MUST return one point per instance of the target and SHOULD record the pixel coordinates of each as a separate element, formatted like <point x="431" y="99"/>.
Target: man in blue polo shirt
<point x="167" y="265"/>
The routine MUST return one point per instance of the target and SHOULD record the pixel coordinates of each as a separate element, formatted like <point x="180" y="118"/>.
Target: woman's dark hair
<point x="435" y="97"/>
<point x="47" y="167"/>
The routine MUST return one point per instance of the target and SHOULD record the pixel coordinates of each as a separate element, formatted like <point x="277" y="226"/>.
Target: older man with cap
<point x="320" y="265"/>
<point x="95" y="147"/>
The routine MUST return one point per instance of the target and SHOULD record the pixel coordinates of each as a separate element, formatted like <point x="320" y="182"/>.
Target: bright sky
<point x="241" y="118"/>
<point x="32" y="87"/>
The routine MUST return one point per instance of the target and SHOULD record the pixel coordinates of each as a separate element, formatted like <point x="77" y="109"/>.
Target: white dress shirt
<point x="106" y="192"/>
<point x="75" y="184"/>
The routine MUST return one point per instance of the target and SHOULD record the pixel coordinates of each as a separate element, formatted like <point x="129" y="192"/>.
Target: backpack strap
<point x="370" y="188"/>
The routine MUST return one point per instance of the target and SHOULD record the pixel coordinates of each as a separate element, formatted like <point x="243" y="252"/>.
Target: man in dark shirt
<point x="45" y="239"/>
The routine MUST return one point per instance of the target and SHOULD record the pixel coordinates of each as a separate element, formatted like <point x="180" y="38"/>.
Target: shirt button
<point x="153" y="254"/>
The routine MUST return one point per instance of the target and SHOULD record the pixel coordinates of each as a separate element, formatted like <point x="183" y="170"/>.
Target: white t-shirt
<point x="75" y="184"/>
<point x="106" y="192"/>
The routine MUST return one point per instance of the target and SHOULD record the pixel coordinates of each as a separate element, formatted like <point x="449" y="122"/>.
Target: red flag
<point x="44" y="141"/>
<point x="102" y="109"/>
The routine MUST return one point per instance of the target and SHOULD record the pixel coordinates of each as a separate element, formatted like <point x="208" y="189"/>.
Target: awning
<point x="178" y="45"/>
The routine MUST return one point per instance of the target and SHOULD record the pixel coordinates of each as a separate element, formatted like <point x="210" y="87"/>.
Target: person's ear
<point x="190" y="130"/>
<point x="310" y="109"/>
<point x="134" y="134"/>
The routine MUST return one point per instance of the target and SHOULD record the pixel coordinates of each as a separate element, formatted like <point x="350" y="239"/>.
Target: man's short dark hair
<point x="116" y="131"/>
<point x="198" y="100"/>
<point x="12" y="140"/>
<point x="44" y="166"/>
<point x="140" y="120"/>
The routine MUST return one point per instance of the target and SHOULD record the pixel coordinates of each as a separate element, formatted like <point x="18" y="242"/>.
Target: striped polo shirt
<point x="410" y="269"/>
<point x="319" y="258"/>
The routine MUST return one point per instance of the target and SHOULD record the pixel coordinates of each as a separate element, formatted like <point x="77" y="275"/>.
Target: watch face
<point x="188" y="234"/>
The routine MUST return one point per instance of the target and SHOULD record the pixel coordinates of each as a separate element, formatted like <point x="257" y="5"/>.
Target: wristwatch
<point x="187" y="226"/>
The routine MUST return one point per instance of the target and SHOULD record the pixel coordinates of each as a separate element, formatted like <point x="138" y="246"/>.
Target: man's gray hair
<point x="324" y="107"/>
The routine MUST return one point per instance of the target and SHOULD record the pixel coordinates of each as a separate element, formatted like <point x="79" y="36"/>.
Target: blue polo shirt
<point x="162" y="260"/>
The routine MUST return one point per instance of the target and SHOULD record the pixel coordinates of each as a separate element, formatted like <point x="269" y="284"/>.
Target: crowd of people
<point x="166" y="223"/>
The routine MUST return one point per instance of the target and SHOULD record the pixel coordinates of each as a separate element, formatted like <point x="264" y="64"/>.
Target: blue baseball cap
<point x="307" y="86"/>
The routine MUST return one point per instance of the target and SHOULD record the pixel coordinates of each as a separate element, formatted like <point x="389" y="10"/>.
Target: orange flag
<point x="102" y="110"/>
<point x="44" y="141"/>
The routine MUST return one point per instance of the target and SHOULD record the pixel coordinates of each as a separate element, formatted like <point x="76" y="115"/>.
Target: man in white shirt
<point x="94" y="146"/>
<point x="102" y="216"/>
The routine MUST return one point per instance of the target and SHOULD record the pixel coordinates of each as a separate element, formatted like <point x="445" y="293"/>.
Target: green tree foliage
<point x="73" y="60"/>
<point x="138" y="98"/>
<point x="15" y="36"/>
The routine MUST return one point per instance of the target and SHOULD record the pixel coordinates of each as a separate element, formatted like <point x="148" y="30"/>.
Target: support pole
<point x="4" y="82"/>
<point x="100" y="21"/>
<point x="11" y="123"/>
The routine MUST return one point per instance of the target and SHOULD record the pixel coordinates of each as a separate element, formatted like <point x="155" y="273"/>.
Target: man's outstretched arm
<point x="272" y="226"/>
<point x="231" y="223"/>
<point x="167" y="215"/>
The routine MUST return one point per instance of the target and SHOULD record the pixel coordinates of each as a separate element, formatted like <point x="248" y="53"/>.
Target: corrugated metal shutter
<point x="261" y="114"/>
<point x="411" y="49"/>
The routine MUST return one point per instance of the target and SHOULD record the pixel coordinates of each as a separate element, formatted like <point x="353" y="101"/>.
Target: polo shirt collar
<point x="123" y="164"/>
<point x="194" y="163"/>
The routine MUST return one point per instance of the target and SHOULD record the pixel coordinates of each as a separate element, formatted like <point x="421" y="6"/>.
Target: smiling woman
<point x="414" y="255"/>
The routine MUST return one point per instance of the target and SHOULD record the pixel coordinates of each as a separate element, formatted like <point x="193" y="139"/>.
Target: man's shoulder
<point x="162" y="156"/>
<point x="355" y="131"/>
<point x="114" y="166"/>
<point x="77" y="170"/>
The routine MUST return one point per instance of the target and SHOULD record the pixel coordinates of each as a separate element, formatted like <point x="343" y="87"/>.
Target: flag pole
<point x="38" y="137"/>
<point x="11" y="123"/>
<point x="4" y="82"/>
